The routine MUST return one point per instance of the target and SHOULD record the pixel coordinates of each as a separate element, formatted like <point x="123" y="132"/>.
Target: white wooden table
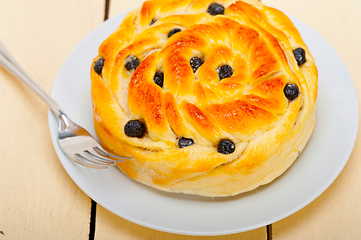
<point x="38" y="200"/>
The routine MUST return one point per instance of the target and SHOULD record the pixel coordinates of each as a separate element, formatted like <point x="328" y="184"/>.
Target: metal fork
<point x="74" y="140"/>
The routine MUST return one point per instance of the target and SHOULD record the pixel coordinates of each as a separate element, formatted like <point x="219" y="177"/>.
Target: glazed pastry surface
<point x="212" y="98"/>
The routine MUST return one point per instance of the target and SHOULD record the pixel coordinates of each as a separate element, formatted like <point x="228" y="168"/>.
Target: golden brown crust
<point x="249" y="108"/>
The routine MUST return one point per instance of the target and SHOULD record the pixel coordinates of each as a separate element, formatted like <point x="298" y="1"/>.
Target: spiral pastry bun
<point x="211" y="98"/>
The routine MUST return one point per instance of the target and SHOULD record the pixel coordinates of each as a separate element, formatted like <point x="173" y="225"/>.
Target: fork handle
<point x="9" y="63"/>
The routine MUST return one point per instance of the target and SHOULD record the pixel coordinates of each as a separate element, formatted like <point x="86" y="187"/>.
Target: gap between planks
<point x="93" y="209"/>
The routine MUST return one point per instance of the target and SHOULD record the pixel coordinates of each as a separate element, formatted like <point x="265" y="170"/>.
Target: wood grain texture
<point x="336" y="213"/>
<point x="110" y="226"/>
<point x="119" y="6"/>
<point x="38" y="200"/>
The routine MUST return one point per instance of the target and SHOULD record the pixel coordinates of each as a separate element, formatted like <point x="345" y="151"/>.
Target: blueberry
<point x="291" y="91"/>
<point x="174" y="31"/>
<point x="98" y="65"/>
<point x="215" y="9"/>
<point x="152" y="22"/>
<point x="159" y="78"/>
<point x="131" y="62"/>
<point x="185" y="142"/>
<point x="134" y="128"/>
<point x="195" y="63"/>
<point x="226" y="146"/>
<point x="224" y="71"/>
<point x="300" y="56"/>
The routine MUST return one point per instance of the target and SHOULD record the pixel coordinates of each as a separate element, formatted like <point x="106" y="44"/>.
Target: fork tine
<point x="89" y="163"/>
<point x="86" y="164"/>
<point x="92" y="160"/>
<point x="102" y="159"/>
<point x="115" y="158"/>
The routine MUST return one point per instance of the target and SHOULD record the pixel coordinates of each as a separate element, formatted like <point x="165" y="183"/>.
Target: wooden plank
<point x="119" y="6"/>
<point x="110" y="226"/>
<point x="38" y="200"/>
<point x="335" y="214"/>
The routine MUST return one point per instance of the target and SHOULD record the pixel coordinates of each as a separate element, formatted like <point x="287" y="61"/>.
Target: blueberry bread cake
<point x="209" y="97"/>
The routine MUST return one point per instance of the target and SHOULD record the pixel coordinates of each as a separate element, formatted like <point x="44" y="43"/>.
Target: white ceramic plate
<point x="318" y="166"/>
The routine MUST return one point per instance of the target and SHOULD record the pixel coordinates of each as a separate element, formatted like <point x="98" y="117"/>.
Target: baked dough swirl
<point x="212" y="98"/>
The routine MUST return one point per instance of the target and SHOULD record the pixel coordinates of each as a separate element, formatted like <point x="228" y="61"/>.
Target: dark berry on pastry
<point x="224" y="71"/>
<point x="131" y="62"/>
<point x="134" y="128"/>
<point x="152" y="22"/>
<point x="215" y="9"/>
<point x="195" y="63"/>
<point x="185" y="142"/>
<point x="174" y="31"/>
<point x="226" y="146"/>
<point x="98" y="65"/>
<point x="159" y="78"/>
<point x="300" y="56"/>
<point x="291" y="91"/>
